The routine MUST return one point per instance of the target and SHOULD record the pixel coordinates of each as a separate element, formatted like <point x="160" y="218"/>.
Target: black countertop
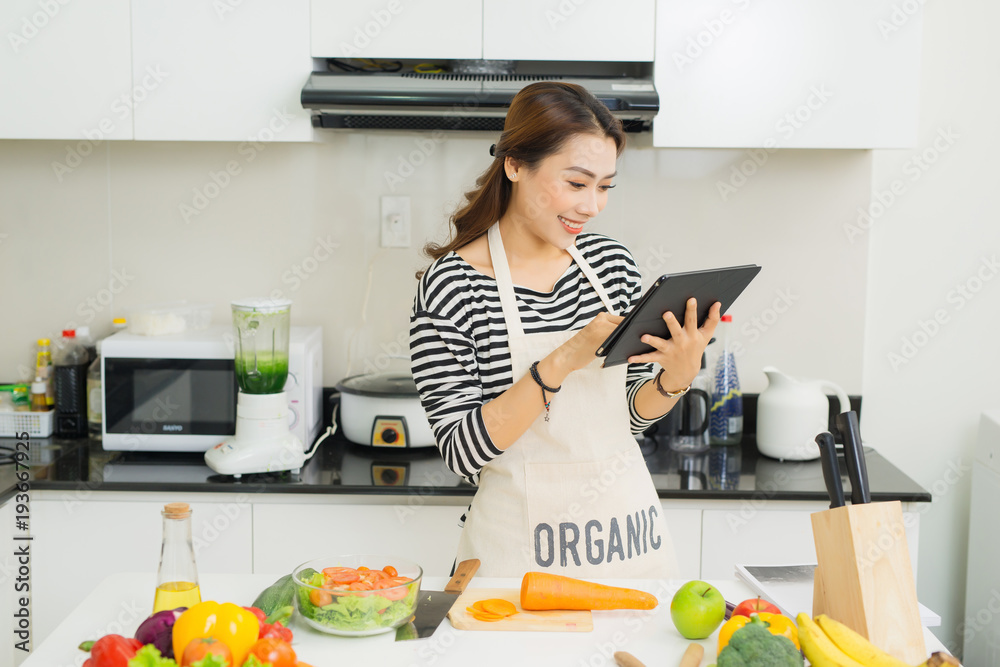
<point x="339" y="467"/>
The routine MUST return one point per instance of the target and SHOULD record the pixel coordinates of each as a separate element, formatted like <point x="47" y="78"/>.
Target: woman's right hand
<point x="581" y="349"/>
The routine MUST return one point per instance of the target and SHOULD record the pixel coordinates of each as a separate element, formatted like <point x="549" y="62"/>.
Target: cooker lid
<point x="386" y="385"/>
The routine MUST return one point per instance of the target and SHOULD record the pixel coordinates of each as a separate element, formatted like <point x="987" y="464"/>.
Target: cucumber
<point x="277" y="595"/>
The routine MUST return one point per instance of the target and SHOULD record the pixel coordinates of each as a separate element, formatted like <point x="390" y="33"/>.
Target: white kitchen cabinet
<point x="397" y="29"/>
<point x="65" y="71"/>
<point x="287" y="535"/>
<point x="226" y="70"/>
<point x="79" y="540"/>
<point x="747" y="535"/>
<point x="685" y="533"/>
<point x="595" y="30"/>
<point x="787" y="74"/>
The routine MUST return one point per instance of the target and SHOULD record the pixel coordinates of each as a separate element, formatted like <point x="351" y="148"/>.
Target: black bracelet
<point x="538" y="380"/>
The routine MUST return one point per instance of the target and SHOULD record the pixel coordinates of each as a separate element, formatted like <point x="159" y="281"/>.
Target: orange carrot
<point x="540" y="590"/>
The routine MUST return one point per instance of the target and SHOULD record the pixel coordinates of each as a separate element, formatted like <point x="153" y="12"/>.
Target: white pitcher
<point x="791" y="413"/>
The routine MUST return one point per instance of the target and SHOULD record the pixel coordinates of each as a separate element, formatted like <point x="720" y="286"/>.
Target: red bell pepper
<point x="112" y="651"/>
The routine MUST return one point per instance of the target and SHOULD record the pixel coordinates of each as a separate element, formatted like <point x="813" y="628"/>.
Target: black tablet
<point x="671" y="292"/>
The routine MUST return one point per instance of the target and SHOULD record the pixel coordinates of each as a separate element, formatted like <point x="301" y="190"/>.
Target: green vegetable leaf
<point x="254" y="661"/>
<point x="211" y="660"/>
<point x="149" y="656"/>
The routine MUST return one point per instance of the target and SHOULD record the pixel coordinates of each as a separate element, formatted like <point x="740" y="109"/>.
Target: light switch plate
<point x="395" y="222"/>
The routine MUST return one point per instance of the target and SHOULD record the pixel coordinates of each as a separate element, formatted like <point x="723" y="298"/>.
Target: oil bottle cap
<point x="176" y="510"/>
<point x="39" y="386"/>
<point x="69" y="333"/>
<point x="118" y="321"/>
<point x="44" y="341"/>
<point x="727" y="318"/>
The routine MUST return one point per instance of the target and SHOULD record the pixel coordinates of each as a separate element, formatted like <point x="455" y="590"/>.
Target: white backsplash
<point x="139" y="222"/>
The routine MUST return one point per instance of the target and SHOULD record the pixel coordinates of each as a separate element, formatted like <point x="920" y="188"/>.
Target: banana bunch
<point x="828" y="643"/>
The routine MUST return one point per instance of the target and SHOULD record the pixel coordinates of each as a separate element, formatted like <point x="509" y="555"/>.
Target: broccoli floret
<point x="754" y="646"/>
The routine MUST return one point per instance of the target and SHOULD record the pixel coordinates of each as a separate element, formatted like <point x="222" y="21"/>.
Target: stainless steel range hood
<point x="415" y="101"/>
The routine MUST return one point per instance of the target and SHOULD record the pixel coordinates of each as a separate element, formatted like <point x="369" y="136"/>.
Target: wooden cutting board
<point x="524" y="621"/>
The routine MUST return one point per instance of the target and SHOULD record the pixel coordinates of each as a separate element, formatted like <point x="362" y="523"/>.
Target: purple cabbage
<point x="158" y="630"/>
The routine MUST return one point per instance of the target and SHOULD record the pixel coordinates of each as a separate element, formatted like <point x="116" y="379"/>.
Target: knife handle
<point x="854" y="456"/>
<point x="463" y="573"/>
<point x="831" y="469"/>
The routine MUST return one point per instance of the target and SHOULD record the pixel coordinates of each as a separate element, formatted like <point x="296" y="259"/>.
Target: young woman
<point x="504" y="330"/>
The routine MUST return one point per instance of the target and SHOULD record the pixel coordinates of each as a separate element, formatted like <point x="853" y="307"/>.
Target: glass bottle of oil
<point x="177" y="580"/>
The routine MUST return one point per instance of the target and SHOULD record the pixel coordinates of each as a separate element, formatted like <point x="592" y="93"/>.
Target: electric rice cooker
<point x="383" y="410"/>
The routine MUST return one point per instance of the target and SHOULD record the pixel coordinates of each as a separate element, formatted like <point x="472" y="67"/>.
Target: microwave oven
<point x="177" y="393"/>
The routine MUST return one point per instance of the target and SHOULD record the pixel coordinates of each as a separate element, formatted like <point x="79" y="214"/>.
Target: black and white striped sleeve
<point x="638" y="374"/>
<point x="443" y="360"/>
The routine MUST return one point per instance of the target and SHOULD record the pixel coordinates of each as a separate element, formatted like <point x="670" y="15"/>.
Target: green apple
<point x="697" y="609"/>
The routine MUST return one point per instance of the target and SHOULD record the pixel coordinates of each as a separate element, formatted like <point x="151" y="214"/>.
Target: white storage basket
<point x="35" y="424"/>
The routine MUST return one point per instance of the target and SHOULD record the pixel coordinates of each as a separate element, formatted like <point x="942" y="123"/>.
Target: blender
<point x="263" y="442"/>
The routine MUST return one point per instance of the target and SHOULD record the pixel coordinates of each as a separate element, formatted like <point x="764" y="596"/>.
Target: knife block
<point x="864" y="578"/>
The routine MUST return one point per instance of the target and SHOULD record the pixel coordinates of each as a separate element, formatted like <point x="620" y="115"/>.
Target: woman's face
<point x="566" y="190"/>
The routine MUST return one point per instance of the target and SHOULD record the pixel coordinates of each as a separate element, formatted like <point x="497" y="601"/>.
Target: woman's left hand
<point x="680" y="355"/>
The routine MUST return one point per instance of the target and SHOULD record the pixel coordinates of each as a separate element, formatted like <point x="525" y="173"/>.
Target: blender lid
<point x="387" y="385"/>
<point x="262" y="304"/>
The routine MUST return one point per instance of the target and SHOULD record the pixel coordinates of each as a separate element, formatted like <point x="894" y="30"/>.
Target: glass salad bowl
<point x="357" y="596"/>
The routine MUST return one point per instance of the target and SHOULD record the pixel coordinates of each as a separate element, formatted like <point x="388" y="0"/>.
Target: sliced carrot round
<point x="483" y="616"/>
<point x="499" y="607"/>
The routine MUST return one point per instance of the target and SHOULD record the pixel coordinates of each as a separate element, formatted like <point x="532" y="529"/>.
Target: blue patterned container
<point x="726" y="424"/>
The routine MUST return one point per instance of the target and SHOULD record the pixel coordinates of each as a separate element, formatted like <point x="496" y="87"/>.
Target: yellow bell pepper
<point x="230" y="624"/>
<point x="777" y="624"/>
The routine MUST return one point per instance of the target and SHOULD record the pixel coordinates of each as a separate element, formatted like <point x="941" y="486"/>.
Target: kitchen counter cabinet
<point x="425" y="534"/>
<point x="78" y="534"/>
<point x="67" y="73"/>
<point x="747" y="536"/>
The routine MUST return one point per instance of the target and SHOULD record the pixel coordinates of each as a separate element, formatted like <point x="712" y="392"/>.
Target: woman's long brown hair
<point x="542" y="116"/>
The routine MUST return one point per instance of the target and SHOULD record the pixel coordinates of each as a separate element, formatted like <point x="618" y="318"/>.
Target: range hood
<point x="418" y="101"/>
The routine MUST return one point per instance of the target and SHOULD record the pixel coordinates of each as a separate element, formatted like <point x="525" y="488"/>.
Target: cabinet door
<point x="425" y="534"/>
<point x="78" y="542"/>
<point x="221" y="71"/>
<point x="787" y="73"/>
<point x="599" y="30"/>
<point x="65" y="70"/>
<point x="397" y="29"/>
<point x="747" y="536"/>
<point x="685" y="532"/>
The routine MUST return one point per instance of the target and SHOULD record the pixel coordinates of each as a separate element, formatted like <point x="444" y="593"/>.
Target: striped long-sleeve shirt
<point x="460" y="356"/>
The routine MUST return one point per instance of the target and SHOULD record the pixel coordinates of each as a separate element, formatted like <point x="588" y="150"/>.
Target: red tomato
<point x="390" y="570"/>
<point x="198" y="648"/>
<point x="275" y="651"/>
<point x="320" y="598"/>
<point x="752" y="605"/>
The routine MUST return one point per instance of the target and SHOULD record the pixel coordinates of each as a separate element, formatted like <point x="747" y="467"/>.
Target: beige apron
<point x="572" y="495"/>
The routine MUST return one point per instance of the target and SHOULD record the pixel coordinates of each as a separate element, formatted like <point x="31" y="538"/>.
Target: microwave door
<point x="168" y="404"/>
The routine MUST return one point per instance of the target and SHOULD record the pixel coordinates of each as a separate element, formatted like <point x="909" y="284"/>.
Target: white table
<point x="122" y="601"/>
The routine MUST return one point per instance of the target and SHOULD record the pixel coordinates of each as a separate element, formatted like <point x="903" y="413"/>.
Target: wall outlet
<point x="395" y="222"/>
